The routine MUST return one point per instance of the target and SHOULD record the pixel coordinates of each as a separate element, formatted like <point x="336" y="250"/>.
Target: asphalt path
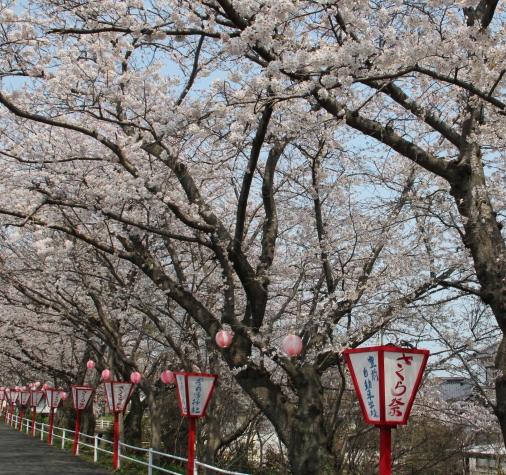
<point x="21" y="454"/>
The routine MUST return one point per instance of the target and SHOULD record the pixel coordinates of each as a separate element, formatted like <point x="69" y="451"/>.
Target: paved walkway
<point x="21" y="454"/>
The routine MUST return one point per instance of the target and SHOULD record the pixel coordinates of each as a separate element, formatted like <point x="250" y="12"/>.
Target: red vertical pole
<point x="115" y="460"/>
<point x="191" y="447"/>
<point x="34" y="412"/>
<point x="76" y="435"/>
<point x="51" y="421"/>
<point x="20" y="418"/>
<point x="385" y="450"/>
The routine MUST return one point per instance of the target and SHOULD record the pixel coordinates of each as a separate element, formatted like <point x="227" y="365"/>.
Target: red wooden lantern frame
<point x="117" y="402"/>
<point x="36" y="396"/>
<point x="7" y="403"/>
<point x="12" y="397"/>
<point x="24" y="397"/>
<point x="190" y="392"/>
<point x="81" y="397"/>
<point x="386" y="380"/>
<point x="53" y="399"/>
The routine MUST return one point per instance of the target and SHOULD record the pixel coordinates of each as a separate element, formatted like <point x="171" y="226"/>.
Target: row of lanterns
<point x="291" y="344"/>
<point x="194" y="391"/>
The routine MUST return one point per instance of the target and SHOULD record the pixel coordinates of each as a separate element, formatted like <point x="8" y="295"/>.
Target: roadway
<point x="21" y="454"/>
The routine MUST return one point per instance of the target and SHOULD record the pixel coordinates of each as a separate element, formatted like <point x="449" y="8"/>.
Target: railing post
<point x="42" y="431"/>
<point x="119" y="455"/>
<point x="196" y="467"/>
<point x="150" y="461"/>
<point x="95" y="450"/>
<point x="63" y="439"/>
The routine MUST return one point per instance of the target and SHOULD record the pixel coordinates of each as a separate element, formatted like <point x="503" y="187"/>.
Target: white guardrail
<point x="97" y="445"/>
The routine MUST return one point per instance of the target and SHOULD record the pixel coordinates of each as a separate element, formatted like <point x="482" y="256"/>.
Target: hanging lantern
<point x="45" y="386"/>
<point x="106" y="374"/>
<point x="36" y="384"/>
<point x="292" y="345"/>
<point x="64" y="396"/>
<point x="223" y="339"/>
<point x="90" y="364"/>
<point x="35" y="399"/>
<point x="23" y="388"/>
<point x="167" y="377"/>
<point x="30" y="385"/>
<point x="16" y="388"/>
<point x="136" y="377"/>
<point x="81" y="396"/>
<point x="117" y="395"/>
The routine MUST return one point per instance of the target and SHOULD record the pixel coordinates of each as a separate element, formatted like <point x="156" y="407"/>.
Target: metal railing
<point x="97" y="445"/>
<point x="101" y="424"/>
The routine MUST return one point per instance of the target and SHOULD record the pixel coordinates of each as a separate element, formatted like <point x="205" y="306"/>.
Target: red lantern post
<point x="7" y="403"/>
<point x="386" y="379"/>
<point x="194" y="391"/>
<point x="81" y="397"/>
<point x="117" y="395"/>
<point x="12" y="397"/>
<point x="23" y="398"/>
<point x="2" y="398"/>
<point x="35" y="398"/>
<point x="53" y="398"/>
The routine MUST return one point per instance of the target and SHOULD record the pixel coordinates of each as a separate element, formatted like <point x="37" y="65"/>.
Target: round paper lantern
<point x="30" y="385"/>
<point x="23" y="388"/>
<point x="223" y="338"/>
<point x="106" y="374"/>
<point x="136" y="377"/>
<point x="64" y="396"/>
<point x="16" y="388"/>
<point x="90" y="364"/>
<point x="45" y="386"/>
<point x="167" y="377"/>
<point x="36" y="384"/>
<point x="292" y="345"/>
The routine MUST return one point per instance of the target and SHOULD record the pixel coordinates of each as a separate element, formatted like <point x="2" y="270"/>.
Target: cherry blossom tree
<point x="325" y="168"/>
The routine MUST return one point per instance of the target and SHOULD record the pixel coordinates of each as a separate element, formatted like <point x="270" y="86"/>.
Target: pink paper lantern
<point x="136" y="377"/>
<point x="45" y="386"/>
<point x="30" y="385"/>
<point x="90" y="364"/>
<point x="167" y="377"/>
<point x="292" y="345"/>
<point x="16" y="388"/>
<point x="36" y="384"/>
<point x="106" y="374"/>
<point x="23" y="388"/>
<point x="223" y="339"/>
<point x="64" y="396"/>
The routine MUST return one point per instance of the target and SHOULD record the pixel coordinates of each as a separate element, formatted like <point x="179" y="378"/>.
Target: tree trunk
<point x="483" y="238"/>
<point x="133" y="421"/>
<point x="308" y="451"/>
<point x="156" y="426"/>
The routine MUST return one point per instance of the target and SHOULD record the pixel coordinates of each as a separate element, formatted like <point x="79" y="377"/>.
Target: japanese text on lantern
<point x="367" y="383"/>
<point x="83" y="400"/>
<point x="119" y="397"/>
<point x="196" y="407"/>
<point x="370" y="373"/>
<point x="398" y="397"/>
